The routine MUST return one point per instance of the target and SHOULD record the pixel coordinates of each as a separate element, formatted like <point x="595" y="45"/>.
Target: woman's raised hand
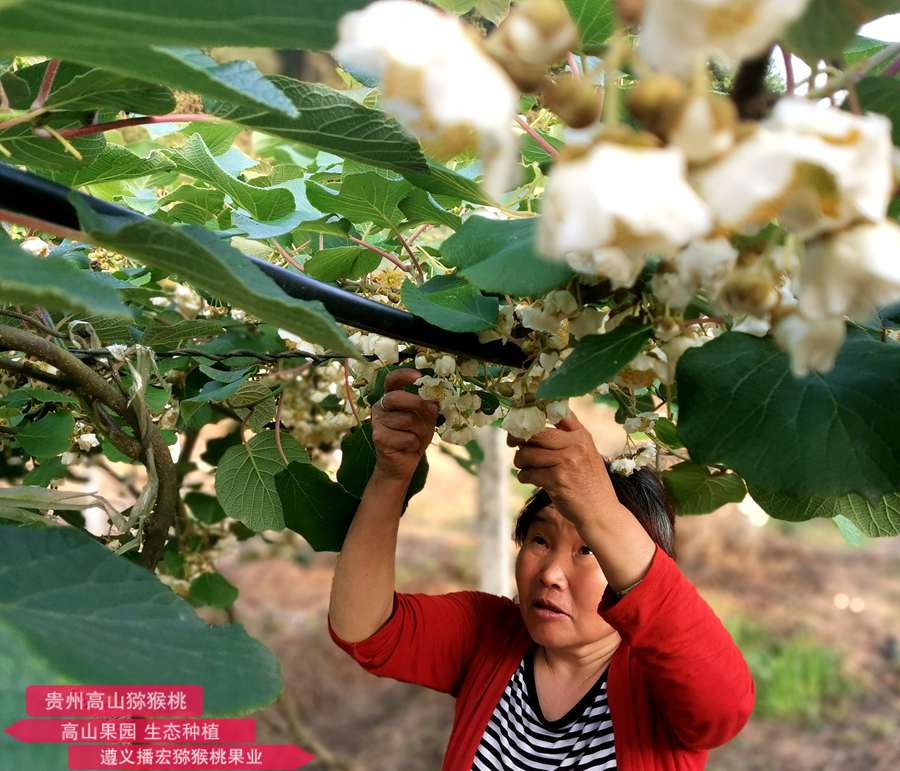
<point x="403" y="424"/>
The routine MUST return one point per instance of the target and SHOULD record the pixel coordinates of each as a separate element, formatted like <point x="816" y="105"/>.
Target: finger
<point x="535" y="457"/>
<point x="391" y="439"/>
<point x="403" y="400"/>
<point x="533" y="476"/>
<point x="569" y="423"/>
<point x="404" y="421"/>
<point x="398" y="379"/>
<point x="550" y="438"/>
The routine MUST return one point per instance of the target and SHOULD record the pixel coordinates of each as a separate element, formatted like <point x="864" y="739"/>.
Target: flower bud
<point x="575" y="100"/>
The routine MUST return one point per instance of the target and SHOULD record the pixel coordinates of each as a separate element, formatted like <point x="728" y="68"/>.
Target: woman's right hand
<point x="401" y="429"/>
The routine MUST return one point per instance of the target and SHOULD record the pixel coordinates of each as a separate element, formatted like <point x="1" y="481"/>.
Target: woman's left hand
<point x="564" y="461"/>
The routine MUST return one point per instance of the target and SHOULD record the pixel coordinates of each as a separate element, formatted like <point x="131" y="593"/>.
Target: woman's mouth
<point x="547" y="613"/>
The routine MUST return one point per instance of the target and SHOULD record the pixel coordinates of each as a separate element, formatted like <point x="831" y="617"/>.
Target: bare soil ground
<point x="783" y="576"/>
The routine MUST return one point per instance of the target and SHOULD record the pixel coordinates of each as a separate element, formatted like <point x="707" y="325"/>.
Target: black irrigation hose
<point x="41" y="199"/>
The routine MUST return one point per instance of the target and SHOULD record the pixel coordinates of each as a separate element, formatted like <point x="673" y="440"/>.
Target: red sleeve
<point x="427" y="640"/>
<point x="697" y="672"/>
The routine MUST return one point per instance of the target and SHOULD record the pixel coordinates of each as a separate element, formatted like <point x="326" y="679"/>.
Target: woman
<point x="530" y="684"/>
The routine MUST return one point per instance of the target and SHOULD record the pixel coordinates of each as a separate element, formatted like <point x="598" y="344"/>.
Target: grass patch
<point x="796" y="678"/>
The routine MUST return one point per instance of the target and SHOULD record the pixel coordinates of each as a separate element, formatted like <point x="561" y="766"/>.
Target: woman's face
<point x="555" y="564"/>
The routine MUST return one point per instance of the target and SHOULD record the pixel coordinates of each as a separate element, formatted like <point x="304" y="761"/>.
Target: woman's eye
<point x="538" y="538"/>
<point x="586" y="549"/>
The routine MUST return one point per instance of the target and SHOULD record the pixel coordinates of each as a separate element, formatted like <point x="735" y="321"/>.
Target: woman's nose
<point x="551" y="573"/>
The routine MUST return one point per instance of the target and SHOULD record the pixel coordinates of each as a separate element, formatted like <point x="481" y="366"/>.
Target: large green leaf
<point x="828" y="434"/>
<point x="881" y="518"/>
<point x="212" y="589"/>
<point x="201" y="258"/>
<point x="245" y="479"/>
<point x="596" y="359"/>
<point x="76" y="87"/>
<point x="331" y="121"/>
<point x="499" y="256"/>
<point x="48" y="436"/>
<point x="195" y="159"/>
<point x="452" y="303"/>
<point x="49" y="26"/>
<point x="367" y="197"/>
<point x="315" y="506"/>
<point x="358" y="463"/>
<point x="73" y="612"/>
<point x="113" y="162"/>
<point x="827" y="27"/>
<point x="54" y="283"/>
<point x="881" y="95"/>
<point x="419" y="207"/>
<point x="595" y="20"/>
<point x="696" y="491"/>
<point x="341" y="262"/>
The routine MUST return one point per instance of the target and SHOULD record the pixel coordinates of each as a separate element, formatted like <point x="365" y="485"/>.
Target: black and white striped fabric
<point x="518" y="738"/>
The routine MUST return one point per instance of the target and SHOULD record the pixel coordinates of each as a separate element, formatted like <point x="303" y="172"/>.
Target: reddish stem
<point x="417" y="232"/>
<point x="278" y="429"/>
<point x="791" y="81"/>
<point x="551" y="150"/>
<point x="46" y="85"/>
<point x="99" y="128"/>
<point x="387" y="255"/>
<point x="893" y="70"/>
<point x="412" y="257"/>
<point x="350" y="391"/>
<point x="573" y="65"/>
<point x="284" y="253"/>
<point x="43" y="227"/>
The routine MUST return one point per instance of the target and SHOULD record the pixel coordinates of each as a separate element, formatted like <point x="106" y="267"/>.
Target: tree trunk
<point x="494" y="522"/>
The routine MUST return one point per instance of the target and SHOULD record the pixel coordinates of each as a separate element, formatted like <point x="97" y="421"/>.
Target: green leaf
<point x="113" y="162"/>
<point x="494" y="11"/>
<point x="419" y="207"/>
<point x="459" y="7"/>
<point x="57" y="582"/>
<point x="367" y="197"/>
<point x="245" y="477"/>
<point x="204" y="508"/>
<point x="199" y="257"/>
<point x="195" y="159"/>
<point x="213" y="590"/>
<point x="440" y="180"/>
<point x="341" y="262"/>
<point x="876" y="519"/>
<point x="499" y="256"/>
<point x="54" y="283"/>
<point x="827" y="27"/>
<point x="452" y="303"/>
<point x="595" y="20"/>
<point x="44" y="473"/>
<point x="159" y="335"/>
<point x="194" y="205"/>
<point x="862" y="48"/>
<point x="46" y="26"/>
<point x="23" y="148"/>
<point x="828" y="434"/>
<point x="696" y="491"/>
<point x="315" y="506"/>
<point x="358" y="463"/>
<point x="596" y="359"/>
<point x="330" y="121"/>
<point x="881" y="95"/>
<point x="76" y="87"/>
<point x="19" y="396"/>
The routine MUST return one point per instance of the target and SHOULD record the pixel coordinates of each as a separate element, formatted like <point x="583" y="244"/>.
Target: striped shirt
<point x="519" y="738"/>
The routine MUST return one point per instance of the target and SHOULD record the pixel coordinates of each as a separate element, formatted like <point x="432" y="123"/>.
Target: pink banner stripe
<point x="137" y="731"/>
<point x="261" y="757"/>
<point x="113" y="700"/>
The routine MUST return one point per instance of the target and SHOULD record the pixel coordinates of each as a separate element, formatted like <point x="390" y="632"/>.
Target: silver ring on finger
<point x="381" y="403"/>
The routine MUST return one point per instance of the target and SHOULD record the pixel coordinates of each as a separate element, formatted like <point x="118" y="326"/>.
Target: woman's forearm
<point x="362" y="589"/>
<point x="622" y="546"/>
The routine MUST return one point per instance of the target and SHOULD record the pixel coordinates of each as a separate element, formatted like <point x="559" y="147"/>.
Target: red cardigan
<point x="678" y="685"/>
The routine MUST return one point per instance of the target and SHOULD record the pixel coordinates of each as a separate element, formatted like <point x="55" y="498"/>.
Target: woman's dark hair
<point x="642" y="493"/>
